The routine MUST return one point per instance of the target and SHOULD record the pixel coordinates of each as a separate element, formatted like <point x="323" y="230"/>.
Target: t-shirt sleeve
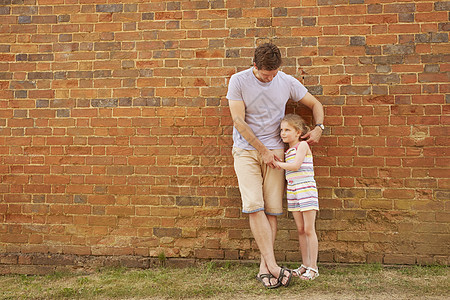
<point x="234" y="89"/>
<point x="298" y="90"/>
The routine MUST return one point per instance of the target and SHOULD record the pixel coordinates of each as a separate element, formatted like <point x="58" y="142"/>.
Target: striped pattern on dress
<point x="301" y="188"/>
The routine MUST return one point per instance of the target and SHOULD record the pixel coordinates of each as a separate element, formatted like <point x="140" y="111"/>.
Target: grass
<point x="225" y="280"/>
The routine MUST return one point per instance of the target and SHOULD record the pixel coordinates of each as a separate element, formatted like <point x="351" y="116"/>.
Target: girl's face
<point x="289" y="134"/>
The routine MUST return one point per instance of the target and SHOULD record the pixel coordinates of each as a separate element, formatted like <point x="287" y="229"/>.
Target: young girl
<point x="301" y="192"/>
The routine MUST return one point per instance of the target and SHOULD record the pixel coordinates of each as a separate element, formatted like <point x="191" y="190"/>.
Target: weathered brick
<point x="104" y="102"/>
<point x="384" y="79"/>
<point x="349" y="193"/>
<point x="357" y="40"/>
<point x="5" y="10"/>
<point x="189" y="201"/>
<point x="406" y="17"/>
<point x="5" y="75"/>
<point x="24" y="19"/>
<point x="40" y="57"/>
<point x="400" y="8"/>
<point x="40" y="75"/>
<point x="107" y="46"/>
<point x="398" y="49"/>
<point x="63" y="18"/>
<point x="442" y="195"/>
<point x="442" y="5"/>
<point x="431" y="38"/>
<point x="444" y="26"/>
<point x="399" y="259"/>
<point x="167" y="232"/>
<point x="374" y="8"/>
<point x="355" y="90"/>
<point x="280" y="12"/>
<point x="111" y="8"/>
<point x="208" y="253"/>
<point x="355" y="236"/>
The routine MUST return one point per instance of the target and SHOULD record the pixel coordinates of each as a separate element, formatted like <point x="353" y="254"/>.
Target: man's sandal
<point x="281" y="276"/>
<point x="308" y="275"/>
<point x="261" y="278"/>
<point x="297" y="271"/>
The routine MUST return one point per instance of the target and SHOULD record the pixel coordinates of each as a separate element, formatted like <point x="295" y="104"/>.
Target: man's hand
<point x="313" y="136"/>
<point x="311" y="102"/>
<point x="270" y="158"/>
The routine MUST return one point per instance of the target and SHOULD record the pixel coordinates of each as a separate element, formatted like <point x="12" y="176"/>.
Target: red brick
<point x="405" y="89"/>
<point x="431" y="17"/>
<point x="399" y="194"/>
<point x="120" y="210"/>
<point x="101" y="199"/>
<point x="404" y="28"/>
<point x="381" y="39"/>
<point x="102" y="221"/>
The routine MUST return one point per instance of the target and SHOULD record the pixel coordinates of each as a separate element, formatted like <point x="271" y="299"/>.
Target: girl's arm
<point x="302" y="150"/>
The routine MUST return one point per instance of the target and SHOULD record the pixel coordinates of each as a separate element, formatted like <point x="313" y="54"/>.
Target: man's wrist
<point x="320" y="125"/>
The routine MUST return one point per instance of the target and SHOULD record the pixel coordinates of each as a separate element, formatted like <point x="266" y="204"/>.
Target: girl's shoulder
<point x="304" y="146"/>
<point x="293" y="148"/>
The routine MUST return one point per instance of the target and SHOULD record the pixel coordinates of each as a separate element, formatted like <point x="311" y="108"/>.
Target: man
<point x="257" y="100"/>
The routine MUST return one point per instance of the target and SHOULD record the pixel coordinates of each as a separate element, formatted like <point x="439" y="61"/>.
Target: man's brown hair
<point x="267" y="57"/>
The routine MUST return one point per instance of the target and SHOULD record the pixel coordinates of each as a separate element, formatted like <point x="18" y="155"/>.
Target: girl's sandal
<point x="308" y="275"/>
<point x="297" y="272"/>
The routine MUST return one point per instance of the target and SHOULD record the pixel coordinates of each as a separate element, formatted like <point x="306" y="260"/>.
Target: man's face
<point x="264" y="75"/>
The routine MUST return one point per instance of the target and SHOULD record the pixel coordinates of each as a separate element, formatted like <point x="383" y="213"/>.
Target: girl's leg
<point x="309" y="218"/>
<point x="302" y="239"/>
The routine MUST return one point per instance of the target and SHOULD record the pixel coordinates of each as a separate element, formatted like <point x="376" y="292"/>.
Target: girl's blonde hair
<point x="297" y="122"/>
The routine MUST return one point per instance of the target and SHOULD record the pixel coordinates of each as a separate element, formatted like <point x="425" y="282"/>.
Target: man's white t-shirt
<point x="265" y="105"/>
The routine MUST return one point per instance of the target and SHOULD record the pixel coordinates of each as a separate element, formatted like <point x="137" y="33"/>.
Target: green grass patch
<point x="226" y="280"/>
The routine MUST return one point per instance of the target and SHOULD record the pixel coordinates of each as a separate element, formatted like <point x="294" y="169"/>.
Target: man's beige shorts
<point x="261" y="186"/>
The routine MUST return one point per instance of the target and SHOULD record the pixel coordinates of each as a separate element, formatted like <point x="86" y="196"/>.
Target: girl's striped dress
<point x="301" y="186"/>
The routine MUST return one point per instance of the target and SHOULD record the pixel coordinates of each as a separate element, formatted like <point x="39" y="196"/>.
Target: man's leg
<point x="263" y="268"/>
<point x="273" y="190"/>
<point x="262" y="232"/>
<point x="248" y="165"/>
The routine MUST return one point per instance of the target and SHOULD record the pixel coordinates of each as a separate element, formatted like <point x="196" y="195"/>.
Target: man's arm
<point x="310" y="101"/>
<point x="237" y="109"/>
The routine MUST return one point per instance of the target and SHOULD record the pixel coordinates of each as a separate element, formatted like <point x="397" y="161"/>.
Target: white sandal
<point x="308" y="276"/>
<point x="297" y="271"/>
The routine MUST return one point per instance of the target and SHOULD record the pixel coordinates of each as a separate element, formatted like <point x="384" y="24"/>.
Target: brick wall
<point x="115" y="135"/>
